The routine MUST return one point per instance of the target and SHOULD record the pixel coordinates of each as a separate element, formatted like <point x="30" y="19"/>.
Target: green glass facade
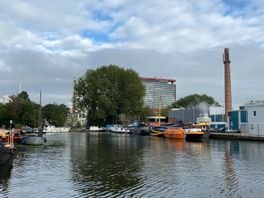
<point x="159" y="92"/>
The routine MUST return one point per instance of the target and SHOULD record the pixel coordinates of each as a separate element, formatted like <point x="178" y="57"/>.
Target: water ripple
<point x="82" y="165"/>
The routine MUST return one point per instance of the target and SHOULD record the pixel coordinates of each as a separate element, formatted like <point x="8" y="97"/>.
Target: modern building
<point x="254" y="119"/>
<point x="187" y="116"/>
<point x="217" y="115"/>
<point x="194" y="113"/>
<point x="160" y="92"/>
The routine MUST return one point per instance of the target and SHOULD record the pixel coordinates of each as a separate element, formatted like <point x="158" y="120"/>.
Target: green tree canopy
<point x="55" y="114"/>
<point x="109" y="92"/>
<point x="21" y="110"/>
<point x="23" y="95"/>
<point x="194" y="99"/>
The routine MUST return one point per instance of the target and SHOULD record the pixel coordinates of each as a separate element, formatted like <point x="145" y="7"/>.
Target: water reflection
<point x="231" y="179"/>
<point x="5" y="172"/>
<point x="108" y="169"/>
<point x="174" y="144"/>
<point x="109" y="165"/>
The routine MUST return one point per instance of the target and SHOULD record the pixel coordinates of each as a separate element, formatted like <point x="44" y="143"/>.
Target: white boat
<point x="119" y="129"/>
<point x="53" y="129"/>
<point x="96" y="129"/>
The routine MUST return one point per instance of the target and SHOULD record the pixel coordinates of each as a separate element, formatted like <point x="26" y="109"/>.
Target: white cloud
<point x="47" y="43"/>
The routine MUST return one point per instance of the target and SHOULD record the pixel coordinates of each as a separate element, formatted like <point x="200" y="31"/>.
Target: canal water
<point x="112" y="165"/>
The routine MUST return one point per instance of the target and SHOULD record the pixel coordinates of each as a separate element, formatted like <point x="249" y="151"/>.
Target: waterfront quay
<point x="235" y="136"/>
<point x="83" y="164"/>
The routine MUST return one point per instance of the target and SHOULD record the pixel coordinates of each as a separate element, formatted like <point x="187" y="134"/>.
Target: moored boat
<point x="53" y="129"/>
<point x="119" y="129"/>
<point x="174" y="133"/>
<point x="34" y="140"/>
<point x="14" y="136"/>
<point x="193" y="134"/>
<point x="96" y="129"/>
<point x="158" y="131"/>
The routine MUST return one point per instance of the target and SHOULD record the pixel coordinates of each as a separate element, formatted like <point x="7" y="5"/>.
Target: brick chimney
<point x="228" y="95"/>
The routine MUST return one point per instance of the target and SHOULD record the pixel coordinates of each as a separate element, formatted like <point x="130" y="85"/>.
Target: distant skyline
<point x="45" y="44"/>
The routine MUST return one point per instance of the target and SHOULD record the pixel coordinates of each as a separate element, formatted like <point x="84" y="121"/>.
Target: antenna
<point x="20" y="87"/>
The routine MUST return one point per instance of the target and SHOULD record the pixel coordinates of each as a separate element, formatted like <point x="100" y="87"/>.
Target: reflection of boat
<point x="158" y="131"/>
<point x="193" y="134"/>
<point x="119" y="129"/>
<point x="5" y="169"/>
<point x="96" y="129"/>
<point x="177" y="144"/>
<point x="6" y="153"/>
<point x="174" y="133"/>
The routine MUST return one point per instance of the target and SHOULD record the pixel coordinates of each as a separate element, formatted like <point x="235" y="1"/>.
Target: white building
<point x="5" y="99"/>
<point x="255" y="119"/>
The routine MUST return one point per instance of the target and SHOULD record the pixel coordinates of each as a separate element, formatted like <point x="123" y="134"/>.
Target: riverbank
<point x="233" y="136"/>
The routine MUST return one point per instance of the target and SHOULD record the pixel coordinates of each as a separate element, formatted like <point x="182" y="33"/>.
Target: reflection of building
<point x="160" y="92"/>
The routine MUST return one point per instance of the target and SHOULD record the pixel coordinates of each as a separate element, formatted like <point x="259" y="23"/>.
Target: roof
<point x="159" y="79"/>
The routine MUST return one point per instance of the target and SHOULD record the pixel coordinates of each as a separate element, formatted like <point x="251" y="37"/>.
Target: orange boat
<point x="174" y="133"/>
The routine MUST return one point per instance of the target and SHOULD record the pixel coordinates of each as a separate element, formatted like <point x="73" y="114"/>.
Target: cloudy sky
<point x="46" y="43"/>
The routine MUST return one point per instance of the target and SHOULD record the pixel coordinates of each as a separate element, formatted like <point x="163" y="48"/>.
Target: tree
<point x="194" y="99"/>
<point x="21" y="110"/>
<point x="145" y="112"/>
<point x="24" y="112"/>
<point x="23" y="95"/>
<point x="109" y="92"/>
<point x="55" y="114"/>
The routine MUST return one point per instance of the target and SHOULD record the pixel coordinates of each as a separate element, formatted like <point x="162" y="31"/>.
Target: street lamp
<point x="11" y="121"/>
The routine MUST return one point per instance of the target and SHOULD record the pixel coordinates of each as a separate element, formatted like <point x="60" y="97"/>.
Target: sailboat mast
<point x="40" y="124"/>
<point x="159" y="109"/>
<point x="40" y="114"/>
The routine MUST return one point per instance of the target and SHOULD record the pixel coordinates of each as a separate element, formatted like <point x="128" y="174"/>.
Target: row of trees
<point x="194" y="99"/>
<point x="24" y="112"/>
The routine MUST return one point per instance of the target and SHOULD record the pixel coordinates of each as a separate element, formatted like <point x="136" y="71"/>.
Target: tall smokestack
<point x="228" y="96"/>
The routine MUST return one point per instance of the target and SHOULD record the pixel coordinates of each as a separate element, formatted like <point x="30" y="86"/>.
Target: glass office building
<point x="160" y="92"/>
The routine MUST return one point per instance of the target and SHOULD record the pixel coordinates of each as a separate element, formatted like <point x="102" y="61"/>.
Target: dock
<point x="233" y="136"/>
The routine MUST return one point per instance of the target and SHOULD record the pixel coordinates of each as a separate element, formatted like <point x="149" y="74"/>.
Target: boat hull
<point x="118" y="129"/>
<point x="193" y="134"/>
<point x="174" y="133"/>
<point x="34" y="140"/>
<point x="157" y="133"/>
<point x="15" y="139"/>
